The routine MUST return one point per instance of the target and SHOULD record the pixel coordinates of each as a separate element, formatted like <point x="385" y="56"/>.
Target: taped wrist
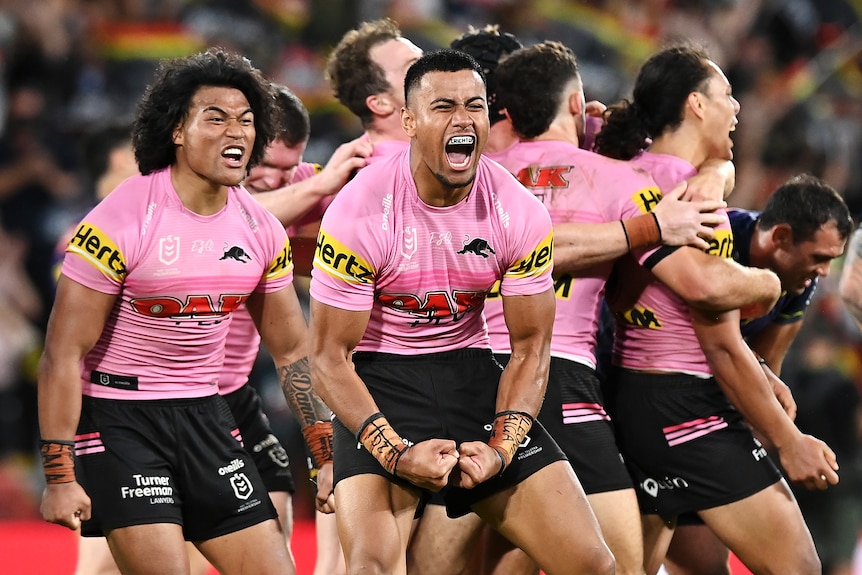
<point x="318" y="436"/>
<point x="381" y="441"/>
<point x="509" y="430"/>
<point x="58" y="460"/>
<point x="642" y="231"/>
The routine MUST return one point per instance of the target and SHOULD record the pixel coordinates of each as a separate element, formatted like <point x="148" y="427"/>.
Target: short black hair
<point x="445" y="60"/>
<point x="98" y="143"/>
<point x="294" y="125"/>
<point x="488" y="46"/>
<point x="806" y="203"/>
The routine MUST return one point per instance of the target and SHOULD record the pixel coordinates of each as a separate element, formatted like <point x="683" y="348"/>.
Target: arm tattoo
<point x="296" y="385"/>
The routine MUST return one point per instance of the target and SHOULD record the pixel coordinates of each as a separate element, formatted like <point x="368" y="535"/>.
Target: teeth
<point x="233" y="152"/>
<point x="460" y="141"/>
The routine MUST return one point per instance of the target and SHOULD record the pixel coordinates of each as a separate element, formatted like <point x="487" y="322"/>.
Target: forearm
<point x="290" y="203"/>
<point x="741" y="377"/>
<point x="343" y="391"/>
<point x="717" y="284"/>
<point x="59" y="399"/>
<point x="582" y="245"/>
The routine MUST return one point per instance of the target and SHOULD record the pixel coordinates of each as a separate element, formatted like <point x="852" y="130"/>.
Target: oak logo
<point x="537" y="262"/>
<point x="549" y="177"/>
<point x="337" y="260"/>
<point x="194" y="305"/>
<point x="434" y="307"/>
<point x="96" y="247"/>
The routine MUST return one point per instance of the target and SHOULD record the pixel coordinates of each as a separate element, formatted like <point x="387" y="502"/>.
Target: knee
<point x="370" y="563"/>
<point x="601" y="562"/>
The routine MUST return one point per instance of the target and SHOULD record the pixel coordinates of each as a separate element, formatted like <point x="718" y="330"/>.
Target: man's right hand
<point x="66" y="504"/>
<point x="809" y="461"/>
<point x="685" y="222"/>
<point x="427" y="464"/>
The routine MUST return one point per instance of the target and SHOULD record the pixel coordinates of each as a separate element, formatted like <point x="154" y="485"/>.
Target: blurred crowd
<point x="69" y="67"/>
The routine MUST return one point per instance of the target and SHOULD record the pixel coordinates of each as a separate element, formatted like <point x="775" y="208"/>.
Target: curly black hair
<point x="167" y="100"/>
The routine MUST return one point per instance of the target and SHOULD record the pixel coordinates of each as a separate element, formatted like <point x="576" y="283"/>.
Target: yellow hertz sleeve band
<point x="282" y="264"/>
<point x="338" y="261"/>
<point x="722" y="244"/>
<point x="99" y="250"/>
<point x="537" y="262"/>
<point x="646" y="199"/>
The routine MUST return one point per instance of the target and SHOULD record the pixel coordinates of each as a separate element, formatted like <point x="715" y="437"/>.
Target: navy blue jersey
<point x="790" y="307"/>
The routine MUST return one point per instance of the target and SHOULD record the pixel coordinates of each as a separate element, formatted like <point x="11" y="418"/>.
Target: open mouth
<point x="233" y="154"/>
<point x="459" y="149"/>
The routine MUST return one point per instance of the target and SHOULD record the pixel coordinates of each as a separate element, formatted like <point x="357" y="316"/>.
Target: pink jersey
<point x="424" y="271"/>
<point x="656" y="333"/>
<point x="575" y="186"/>
<point x="178" y="276"/>
<point x="386" y="149"/>
<point x="243" y="340"/>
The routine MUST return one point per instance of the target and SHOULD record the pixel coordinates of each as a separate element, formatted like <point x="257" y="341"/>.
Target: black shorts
<point x="687" y="448"/>
<point x="574" y="414"/>
<point x="167" y="461"/>
<point x="450" y="395"/>
<point x="269" y="455"/>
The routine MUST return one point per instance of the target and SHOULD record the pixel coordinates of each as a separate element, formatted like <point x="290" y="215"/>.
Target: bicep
<point x="335" y="331"/>
<point x="529" y="317"/>
<point x="77" y="319"/>
<point x="281" y="323"/>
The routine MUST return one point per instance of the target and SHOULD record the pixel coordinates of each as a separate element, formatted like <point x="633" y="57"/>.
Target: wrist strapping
<point x="642" y="231"/>
<point x="508" y="432"/>
<point x="58" y="460"/>
<point x="318" y="436"/>
<point x="381" y="441"/>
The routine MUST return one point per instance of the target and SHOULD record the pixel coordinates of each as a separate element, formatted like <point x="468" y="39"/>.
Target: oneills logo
<point x="96" y="247"/>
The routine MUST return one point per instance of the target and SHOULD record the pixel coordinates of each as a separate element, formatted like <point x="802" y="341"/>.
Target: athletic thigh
<point x="548" y="516"/>
<point x="748" y="528"/>
<point x="619" y="518"/>
<point x="255" y="550"/>
<point x="440" y="545"/>
<point x="374" y="518"/>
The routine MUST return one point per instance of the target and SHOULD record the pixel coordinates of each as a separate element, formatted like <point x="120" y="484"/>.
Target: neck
<point x="382" y="130"/>
<point x="197" y="194"/>
<point x="561" y="130"/>
<point x="680" y="144"/>
<point x="430" y="189"/>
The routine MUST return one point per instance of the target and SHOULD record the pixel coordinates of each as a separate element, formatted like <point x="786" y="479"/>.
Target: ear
<point x="782" y="236"/>
<point x="695" y="103"/>
<point x="577" y="106"/>
<point x="379" y="105"/>
<point x="178" y="134"/>
<point x="408" y="122"/>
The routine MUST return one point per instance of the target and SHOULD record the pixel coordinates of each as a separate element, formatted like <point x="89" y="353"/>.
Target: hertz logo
<point x="96" y="247"/>
<point x="538" y="262"/>
<point x="646" y="199"/>
<point x="282" y="264"/>
<point x="336" y="259"/>
<point x="722" y="244"/>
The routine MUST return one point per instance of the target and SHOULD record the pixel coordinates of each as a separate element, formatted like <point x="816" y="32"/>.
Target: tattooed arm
<point x="850" y="285"/>
<point x="283" y="331"/>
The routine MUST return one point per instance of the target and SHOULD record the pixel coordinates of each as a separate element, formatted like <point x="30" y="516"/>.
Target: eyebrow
<point x="213" y="108"/>
<point x="452" y="101"/>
